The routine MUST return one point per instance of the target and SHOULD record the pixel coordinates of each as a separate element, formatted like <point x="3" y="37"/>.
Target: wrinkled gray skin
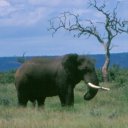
<point x="39" y="78"/>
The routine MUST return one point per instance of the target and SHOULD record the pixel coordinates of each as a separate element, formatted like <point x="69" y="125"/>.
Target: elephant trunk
<point x="91" y="92"/>
<point x="93" y="85"/>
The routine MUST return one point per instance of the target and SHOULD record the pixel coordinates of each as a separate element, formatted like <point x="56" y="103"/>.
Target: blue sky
<point x="24" y="24"/>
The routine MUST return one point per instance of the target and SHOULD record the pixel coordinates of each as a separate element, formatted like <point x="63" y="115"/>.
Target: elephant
<point x="39" y="78"/>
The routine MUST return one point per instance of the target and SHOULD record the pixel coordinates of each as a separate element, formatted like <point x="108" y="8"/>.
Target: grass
<point x="106" y="110"/>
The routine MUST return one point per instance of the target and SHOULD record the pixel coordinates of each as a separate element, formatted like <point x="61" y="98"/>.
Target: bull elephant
<point x="39" y="78"/>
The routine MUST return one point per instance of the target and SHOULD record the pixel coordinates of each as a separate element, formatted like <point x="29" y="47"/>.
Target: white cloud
<point x="6" y="9"/>
<point x="4" y="3"/>
<point x="29" y="12"/>
<point x="74" y="3"/>
<point x="24" y="13"/>
<point x="27" y="18"/>
<point x="14" y="14"/>
<point x="84" y="12"/>
<point x="44" y="2"/>
<point x="61" y="3"/>
<point x="122" y="0"/>
<point x="34" y="16"/>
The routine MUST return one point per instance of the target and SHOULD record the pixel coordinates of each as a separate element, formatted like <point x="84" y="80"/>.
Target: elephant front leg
<point x="67" y="96"/>
<point x="62" y="99"/>
<point x="40" y="102"/>
<point x="70" y="96"/>
<point x="22" y="100"/>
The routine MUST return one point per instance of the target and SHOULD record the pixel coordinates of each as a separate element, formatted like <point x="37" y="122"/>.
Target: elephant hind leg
<point x="33" y="101"/>
<point x="62" y="100"/>
<point x="22" y="101"/>
<point x="34" y="104"/>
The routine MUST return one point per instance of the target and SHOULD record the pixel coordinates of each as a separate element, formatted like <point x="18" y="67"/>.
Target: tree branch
<point x="72" y="23"/>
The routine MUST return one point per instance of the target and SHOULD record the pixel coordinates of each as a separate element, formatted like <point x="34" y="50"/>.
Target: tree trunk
<point x="106" y="65"/>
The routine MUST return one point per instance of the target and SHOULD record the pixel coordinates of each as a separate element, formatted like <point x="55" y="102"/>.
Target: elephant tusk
<point x="97" y="87"/>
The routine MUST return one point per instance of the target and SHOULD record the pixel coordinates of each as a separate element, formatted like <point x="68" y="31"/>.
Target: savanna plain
<point x="109" y="109"/>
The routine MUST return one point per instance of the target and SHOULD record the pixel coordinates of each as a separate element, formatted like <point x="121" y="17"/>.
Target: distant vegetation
<point x="7" y="77"/>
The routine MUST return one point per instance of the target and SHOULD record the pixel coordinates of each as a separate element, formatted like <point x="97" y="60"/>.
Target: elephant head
<point x="82" y="68"/>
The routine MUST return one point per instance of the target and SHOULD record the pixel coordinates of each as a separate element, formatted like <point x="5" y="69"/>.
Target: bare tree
<point x="111" y="24"/>
<point x="122" y="27"/>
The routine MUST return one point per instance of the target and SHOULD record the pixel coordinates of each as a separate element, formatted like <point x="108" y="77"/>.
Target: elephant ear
<point x="70" y="63"/>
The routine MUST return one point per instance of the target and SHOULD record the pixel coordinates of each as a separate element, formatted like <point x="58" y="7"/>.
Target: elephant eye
<point x="88" y="70"/>
<point x="85" y="69"/>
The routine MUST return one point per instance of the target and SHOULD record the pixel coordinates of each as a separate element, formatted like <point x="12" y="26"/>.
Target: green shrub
<point x="7" y="77"/>
<point x="118" y="75"/>
<point x="99" y="75"/>
<point x="115" y="74"/>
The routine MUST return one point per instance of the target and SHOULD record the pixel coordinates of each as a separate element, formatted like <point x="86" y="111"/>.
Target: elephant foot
<point x="40" y="102"/>
<point x="22" y="102"/>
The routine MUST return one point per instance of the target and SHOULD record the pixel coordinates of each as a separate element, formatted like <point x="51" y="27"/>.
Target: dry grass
<point x="106" y="110"/>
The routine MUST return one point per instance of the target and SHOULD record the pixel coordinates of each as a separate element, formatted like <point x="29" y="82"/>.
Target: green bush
<point x="7" y="77"/>
<point x="99" y="75"/>
<point x="115" y="74"/>
<point x="118" y="75"/>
